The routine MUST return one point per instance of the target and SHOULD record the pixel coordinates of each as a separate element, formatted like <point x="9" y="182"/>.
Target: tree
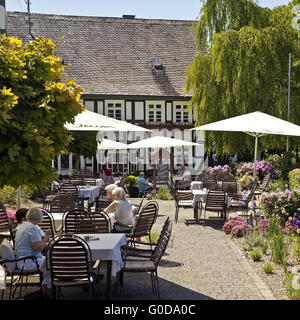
<point x="244" y="69"/>
<point x="84" y="143"/>
<point x="36" y="100"/>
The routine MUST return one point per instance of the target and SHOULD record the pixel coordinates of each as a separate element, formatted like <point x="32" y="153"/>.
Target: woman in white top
<point x="123" y="211"/>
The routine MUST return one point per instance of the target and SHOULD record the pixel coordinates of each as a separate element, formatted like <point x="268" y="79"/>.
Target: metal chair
<point x="136" y="260"/>
<point x="9" y="262"/>
<point x="71" y="220"/>
<point x="182" y="200"/>
<point x="209" y="182"/>
<point x="144" y="221"/>
<point x="94" y="222"/>
<point x="89" y="181"/>
<point x="6" y="230"/>
<point x="215" y="201"/>
<point x="69" y="260"/>
<point x="48" y="223"/>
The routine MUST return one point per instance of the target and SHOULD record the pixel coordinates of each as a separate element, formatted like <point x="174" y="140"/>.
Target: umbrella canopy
<point x="91" y="121"/>
<point x="256" y="124"/>
<point x="161" y="142"/>
<point x="107" y="144"/>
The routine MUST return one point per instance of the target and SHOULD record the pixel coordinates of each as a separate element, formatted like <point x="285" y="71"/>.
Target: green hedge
<point x="294" y="179"/>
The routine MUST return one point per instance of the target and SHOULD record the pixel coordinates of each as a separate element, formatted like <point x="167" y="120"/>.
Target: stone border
<point x="262" y="288"/>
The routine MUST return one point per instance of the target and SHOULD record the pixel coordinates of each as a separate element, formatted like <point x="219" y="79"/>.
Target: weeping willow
<point x="244" y="69"/>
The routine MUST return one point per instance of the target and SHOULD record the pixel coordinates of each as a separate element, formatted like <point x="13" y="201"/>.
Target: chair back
<point x="229" y="185"/>
<point x="261" y="188"/>
<point x="87" y="173"/>
<point x="184" y="196"/>
<point x="70" y="190"/>
<point x="145" y="219"/>
<point x="94" y="222"/>
<point x="202" y="176"/>
<point x="72" y="219"/>
<point x="68" y="258"/>
<point x="76" y="179"/>
<point x="172" y="188"/>
<point x="89" y="180"/>
<point x="209" y="182"/>
<point x="162" y="242"/>
<point x="4" y="221"/>
<point x="60" y="203"/>
<point x="140" y="204"/>
<point x="101" y="204"/>
<point x="215" y="199"/>
<point x="123" y="178"/>
<point x="47" y="222"/>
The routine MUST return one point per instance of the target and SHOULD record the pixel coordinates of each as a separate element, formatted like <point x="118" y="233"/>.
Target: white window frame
<point x="185" y="116"/>
<point x="115" y="108"/>
<point x="152" y="106"/>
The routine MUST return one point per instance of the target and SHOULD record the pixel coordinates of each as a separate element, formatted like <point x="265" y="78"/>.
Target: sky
<point x="148" y="9"/>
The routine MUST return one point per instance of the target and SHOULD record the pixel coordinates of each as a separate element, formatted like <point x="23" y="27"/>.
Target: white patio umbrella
<point x="107" y="144"/>
<point x="92" y="121"/>
<point x="160" y="143"/>
<point x="256" y="124"/>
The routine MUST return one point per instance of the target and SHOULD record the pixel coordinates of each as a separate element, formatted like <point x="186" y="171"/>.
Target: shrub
<point x="130" y="181"/>
<point x="268" y="268"/>
<point x="218" y="169"/>
<point x="154" y="236"/>
<point x="8" y="195"/>
<point x="294" y="179"/>
<point x="281" y="204"/>
<point x="256" y="254"/>
<point x="286" y="164"/>
<point x="163" y="194"/>
<point x="296" y="249"/>
<point x="236" y="227"/>
<point x="273" y="185"/>
<point x="262" y="168"/>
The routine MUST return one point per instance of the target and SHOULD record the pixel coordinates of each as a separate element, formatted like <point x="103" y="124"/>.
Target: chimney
<point x="2" y="17"/>
<point x="128" y="16"/>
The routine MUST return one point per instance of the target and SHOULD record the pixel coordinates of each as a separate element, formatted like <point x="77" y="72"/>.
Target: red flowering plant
<point x="237" y="227"/>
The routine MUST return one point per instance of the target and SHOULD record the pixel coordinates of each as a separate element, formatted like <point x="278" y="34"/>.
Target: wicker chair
<point x="136" y="260"/>
<point x="69" y="261"/>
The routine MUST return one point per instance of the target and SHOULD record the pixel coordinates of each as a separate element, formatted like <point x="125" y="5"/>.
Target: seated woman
<point x="30" y="241"/>
<point x="123" y="211"/>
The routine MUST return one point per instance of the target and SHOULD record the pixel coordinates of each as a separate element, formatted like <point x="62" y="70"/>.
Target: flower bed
<point x="262" y="169"/>
<point x="281" y="204"/>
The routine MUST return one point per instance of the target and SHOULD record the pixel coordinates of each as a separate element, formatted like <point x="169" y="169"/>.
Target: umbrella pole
<point x="255" y="156"/>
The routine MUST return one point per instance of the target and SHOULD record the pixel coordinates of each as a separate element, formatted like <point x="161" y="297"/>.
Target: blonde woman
<point x="123" y="211"/>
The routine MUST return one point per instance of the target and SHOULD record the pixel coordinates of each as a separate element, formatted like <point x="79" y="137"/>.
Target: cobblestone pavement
<point x="201" y="263"/>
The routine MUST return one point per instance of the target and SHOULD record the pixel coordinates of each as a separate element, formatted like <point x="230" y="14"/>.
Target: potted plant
<point x="131" y="186"/>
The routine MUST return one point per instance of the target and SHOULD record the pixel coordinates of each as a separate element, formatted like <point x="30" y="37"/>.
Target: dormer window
<point x="157" y="64"/>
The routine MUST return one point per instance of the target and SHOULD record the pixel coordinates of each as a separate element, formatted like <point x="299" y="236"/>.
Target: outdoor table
<point x="200" y="196"/>
<point x="107" y="248"/>
<point x="57" y="217"/>
<point x="90" y="192"/>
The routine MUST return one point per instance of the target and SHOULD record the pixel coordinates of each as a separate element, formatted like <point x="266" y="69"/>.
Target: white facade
<point x="165" y="118"/>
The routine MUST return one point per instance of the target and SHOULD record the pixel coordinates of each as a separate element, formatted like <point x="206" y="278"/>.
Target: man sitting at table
<point x="144" y="186"/>
<point x="123" y="211"/>
<point x="186" y="178"/>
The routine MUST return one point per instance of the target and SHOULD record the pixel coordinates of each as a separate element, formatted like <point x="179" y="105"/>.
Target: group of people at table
<point x="30" y="239"/>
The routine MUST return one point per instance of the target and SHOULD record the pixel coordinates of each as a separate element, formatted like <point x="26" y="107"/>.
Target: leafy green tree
<point x="244" y="69"/>
<point x="84" y="143"/>
<point x="36" y="100"/>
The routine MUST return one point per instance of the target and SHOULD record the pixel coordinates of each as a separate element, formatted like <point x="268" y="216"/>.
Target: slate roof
<point x="114" y="56"/>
